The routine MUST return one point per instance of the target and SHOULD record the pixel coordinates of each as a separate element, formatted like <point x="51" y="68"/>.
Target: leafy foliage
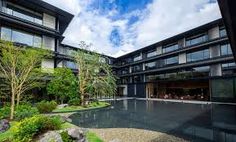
<point x="22" y="111"/>
<point x="5" y="112"/>
<point x="21" y="69"/>
<point x="46" y="106"/>
<point x="25" y="130"/>
<point x="74" y="102"/>
<point x="66" y="137"/>
<point x="95" y="76"/>
<point x="63" y="84"/>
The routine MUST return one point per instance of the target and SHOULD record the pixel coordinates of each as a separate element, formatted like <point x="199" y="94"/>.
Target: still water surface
<point x="193" y="122"/>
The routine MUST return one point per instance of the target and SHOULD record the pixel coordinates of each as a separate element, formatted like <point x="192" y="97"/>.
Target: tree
<point x="63" y="84"/>
<point x="95" y="76"/>
<point x="21" y="69"/>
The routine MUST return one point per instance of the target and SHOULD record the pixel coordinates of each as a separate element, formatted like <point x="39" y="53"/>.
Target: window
<point x="151" y="65"/>
<point x="24" y="13"/>
<point x="172" y="60"/>
<point x="20" y="37"/>
<point x="199" y="55"/>
<point x="125" y="71"/>
<point x="223" y="32"/>
<point x="136" y="68"/>
<point x="71" y="65"/>
<point x="196" y="40"/>
<point x="151" y="54"/>
<point x="137" y="79"/>
<point x="137" y="58"/>
<point x="37" y="41"/>
<point x="226" y="65"/>
<point x="170" y="48"/>
<point x="202" y="69"/>
<point x="6" y="34"/>
<point x="225" y="49"/>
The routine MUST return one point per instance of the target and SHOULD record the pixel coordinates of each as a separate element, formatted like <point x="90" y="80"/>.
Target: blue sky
<point x="117" y="27"/>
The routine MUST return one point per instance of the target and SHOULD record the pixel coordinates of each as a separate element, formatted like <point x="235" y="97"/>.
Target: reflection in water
<point x="190" y="121"/>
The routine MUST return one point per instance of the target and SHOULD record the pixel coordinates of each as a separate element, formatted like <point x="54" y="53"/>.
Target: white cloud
<point x="161" y="19"/>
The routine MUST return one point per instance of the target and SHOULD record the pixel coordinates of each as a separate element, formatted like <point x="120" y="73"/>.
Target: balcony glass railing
<point x="23" y="14"/>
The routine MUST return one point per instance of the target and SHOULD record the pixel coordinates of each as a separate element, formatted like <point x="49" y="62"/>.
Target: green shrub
<point x="74" y="102"/>
<point x="66" y="137"/>
<point x="27" y="129"/>
<point x="24" y="111"/>
<point x="21" y="112"/>
<point x="46" y="106"/>
<point x="5" y="112"/>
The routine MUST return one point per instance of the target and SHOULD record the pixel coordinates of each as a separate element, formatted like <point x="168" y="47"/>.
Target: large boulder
<point x="77" y="133"/>
<point x="4" y="125"/>
<point x="50" y="136"/>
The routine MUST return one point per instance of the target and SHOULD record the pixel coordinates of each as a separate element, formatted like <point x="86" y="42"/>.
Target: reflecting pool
<point x="192" y="122"/>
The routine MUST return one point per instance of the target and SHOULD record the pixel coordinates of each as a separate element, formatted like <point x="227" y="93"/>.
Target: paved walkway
<point x="134" y="135"/>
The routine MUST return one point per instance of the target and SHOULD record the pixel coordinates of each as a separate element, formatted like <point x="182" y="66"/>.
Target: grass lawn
<point x="92" y="137"/>
<point x="93" y="105"/>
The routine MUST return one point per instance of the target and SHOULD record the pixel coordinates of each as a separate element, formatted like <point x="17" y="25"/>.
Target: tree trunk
<point x="82" y="99"/>
<point x="12" y="105"/>
<point x="17" y="100"/>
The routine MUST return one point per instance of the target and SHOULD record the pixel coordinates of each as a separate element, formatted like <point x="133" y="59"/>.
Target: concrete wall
<point x="214" y="51"/>
<point x="49" y="43"/>
<point x="182" y="58"/>
<point x="48" y="65"/>
<point x="181" y="43"/>
<point x="159" y="50"/>
<point x="49" y="21"/>
<point x="60" y="64"/>
<point x="214" y="33"/>
<point x="216" y="70"/>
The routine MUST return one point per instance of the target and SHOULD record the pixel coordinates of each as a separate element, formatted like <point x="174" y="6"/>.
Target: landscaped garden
<point x="25" y="116"/>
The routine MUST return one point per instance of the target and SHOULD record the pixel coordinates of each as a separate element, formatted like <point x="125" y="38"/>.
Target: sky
<point x="117" y="27"/>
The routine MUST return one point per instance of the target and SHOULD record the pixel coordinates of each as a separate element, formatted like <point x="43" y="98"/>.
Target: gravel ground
<point x="134" y="135"/>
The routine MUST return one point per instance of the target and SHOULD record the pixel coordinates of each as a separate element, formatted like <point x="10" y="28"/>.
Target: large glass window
<point x="196" y="40"/>
<point x="71" y="65"/>
<point x="151" y="54"/>
<point x="20" y="37"/>
<point x="223" y="32"/>
<point x="225" y="49"/>
<point x="6" y="34"/>
<point x="223" y="88"/>
<point x="125" y="71"/>
<point x="137" y="58"/>
<point x="24" y="13"/>
<point x="170" y="48"/>
<point x="137" y="68"/>
<point x="227" y="65"/>
<point x="151" y="65"/>
<point x="199" y="55"/>
<point x="172" y="60"/>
